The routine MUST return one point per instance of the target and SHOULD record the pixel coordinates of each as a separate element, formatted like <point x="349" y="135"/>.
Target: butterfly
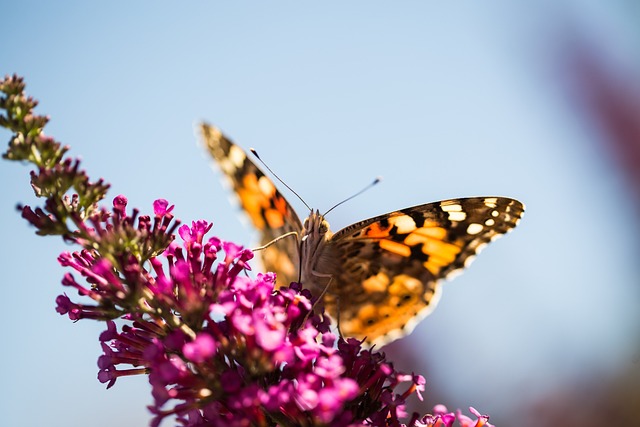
<point x="378" y="277"/>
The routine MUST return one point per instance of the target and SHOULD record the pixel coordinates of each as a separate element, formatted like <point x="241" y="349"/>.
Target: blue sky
<point x="442" y="99"/>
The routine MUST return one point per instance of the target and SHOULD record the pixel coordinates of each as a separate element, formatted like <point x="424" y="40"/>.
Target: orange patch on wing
<point x="403" y="284"/>
<point x="255" y="201"/>
<point x="377" y="283"/>
<point x="440" y="255"/>
<point x="389" y="310"/>
<point x="376" y="231"/>
<point x="250" y="182"/>
<point x="424" y="234"/>
<point x="281" y="205"/>
<point x="367" y="312"/>
<point x="432" y="267"/>
<point x="253" y="206"/>
<point x="274" y="218"/>
<point x="446" y="252"/>
<point x="395" y="247"/>
<point x="430" y="224"/>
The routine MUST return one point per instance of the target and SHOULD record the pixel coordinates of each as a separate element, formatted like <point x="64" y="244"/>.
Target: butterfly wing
<point x="393" y="263"/>
<point x="268" y="210"/>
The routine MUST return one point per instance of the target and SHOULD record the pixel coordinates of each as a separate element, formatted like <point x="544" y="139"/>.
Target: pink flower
<point x="200" y="349"/>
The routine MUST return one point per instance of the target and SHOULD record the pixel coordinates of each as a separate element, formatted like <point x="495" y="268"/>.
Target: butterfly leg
<point x="320" y="297"/>
<point x="338" y="317"/>
<point x="324" y="291"/>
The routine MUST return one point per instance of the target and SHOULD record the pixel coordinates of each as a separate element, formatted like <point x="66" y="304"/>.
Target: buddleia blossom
<point x="220" y="345"/>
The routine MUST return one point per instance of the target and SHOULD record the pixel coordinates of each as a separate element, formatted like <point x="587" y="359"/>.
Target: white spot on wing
<point x="226" y="166"/>
<point x="451" y="208"/>
<point x="405" y="224"/>
<point x="474" y="228"/>
<point x="457" y="216"/>
<point x="454" y="273"/>
<point x="491" y="202"/>
<point x="455" y="211"/>
<point x="236" y="156"/>
<point x="469" y="260"/>
<point x="266" y="186"/>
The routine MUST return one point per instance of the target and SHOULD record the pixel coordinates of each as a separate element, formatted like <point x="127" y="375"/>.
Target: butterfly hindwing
<point x="393" y="263"/>
<point x="268" y="211"/>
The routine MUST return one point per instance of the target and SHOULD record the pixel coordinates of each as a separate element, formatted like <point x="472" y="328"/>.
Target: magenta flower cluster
<point x="224" y="349"/>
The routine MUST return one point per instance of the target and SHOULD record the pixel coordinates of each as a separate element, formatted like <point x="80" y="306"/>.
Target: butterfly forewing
<point x="268" y="211"/>
<point x="393" y="263"/>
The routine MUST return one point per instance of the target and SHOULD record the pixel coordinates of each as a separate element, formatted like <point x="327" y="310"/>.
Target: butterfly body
<point x="382" y="274"/>
<point x="319" y="259"/>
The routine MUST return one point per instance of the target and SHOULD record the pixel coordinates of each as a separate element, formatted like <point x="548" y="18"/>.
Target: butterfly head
<point x="315" y="228"/>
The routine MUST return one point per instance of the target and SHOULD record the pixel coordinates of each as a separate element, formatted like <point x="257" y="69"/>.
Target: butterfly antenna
<point x="255" y="153"/>
<point x="375" y="181"/>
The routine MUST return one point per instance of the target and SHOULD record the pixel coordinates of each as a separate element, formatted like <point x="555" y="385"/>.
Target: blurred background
<point x="535" y="100"/>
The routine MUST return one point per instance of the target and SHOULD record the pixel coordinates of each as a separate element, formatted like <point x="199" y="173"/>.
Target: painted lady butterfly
<point x="383" y="274"/>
